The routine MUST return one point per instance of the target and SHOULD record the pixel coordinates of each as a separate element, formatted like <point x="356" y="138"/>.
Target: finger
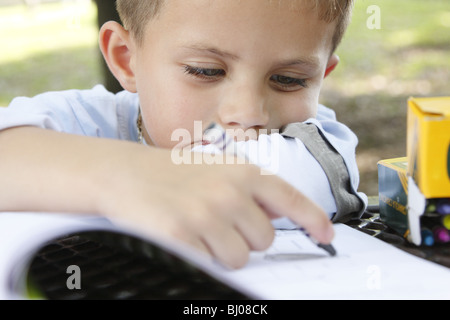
<point x="227" y="245"/>
<point x="169" y="229"/>
<point x="194" y="241"/>
<point x="233" y="205"/>
<point x="254" y="225"/>
<point x="209" y="229"/>
<point x="279" y="198"/>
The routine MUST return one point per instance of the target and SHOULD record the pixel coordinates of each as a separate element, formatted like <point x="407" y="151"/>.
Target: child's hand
<point x="224" y="210"/>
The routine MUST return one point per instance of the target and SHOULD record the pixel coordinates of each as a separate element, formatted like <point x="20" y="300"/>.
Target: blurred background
<point x="392" y="50"/>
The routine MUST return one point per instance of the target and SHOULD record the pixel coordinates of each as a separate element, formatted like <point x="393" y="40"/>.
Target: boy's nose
<point x="244" y="108"/>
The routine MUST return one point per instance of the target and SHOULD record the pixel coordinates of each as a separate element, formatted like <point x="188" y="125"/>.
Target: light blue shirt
<point x="99" y="113"/>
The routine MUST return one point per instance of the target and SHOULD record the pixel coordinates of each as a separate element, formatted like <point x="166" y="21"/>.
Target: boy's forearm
<point x="43" y="170"/>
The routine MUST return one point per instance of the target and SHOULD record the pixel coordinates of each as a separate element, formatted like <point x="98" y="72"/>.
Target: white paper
<point x="364" y="268"/>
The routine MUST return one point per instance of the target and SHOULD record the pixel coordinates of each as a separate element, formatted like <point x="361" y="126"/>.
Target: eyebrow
<point x="308" y="62"/>
<point x="215" y="51"/>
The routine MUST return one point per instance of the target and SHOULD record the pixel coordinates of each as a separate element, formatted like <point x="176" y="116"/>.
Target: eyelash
<point x="204" y="73"/>
<point x="288" y="83"/>
<point x="283" y="83"/>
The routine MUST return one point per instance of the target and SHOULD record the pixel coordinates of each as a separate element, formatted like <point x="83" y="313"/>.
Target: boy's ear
<point x="117" y="49"/>
<point x="331" y="65"/>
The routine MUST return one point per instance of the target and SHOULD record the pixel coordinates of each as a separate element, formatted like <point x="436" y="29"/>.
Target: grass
<point x="55" y="47"/>
<point x="50" y="47"/>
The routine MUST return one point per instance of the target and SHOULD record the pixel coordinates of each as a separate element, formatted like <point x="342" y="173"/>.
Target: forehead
<point x="294" y="5"/>
<point x="301" y="7"/>
<point x="283" y="23"/>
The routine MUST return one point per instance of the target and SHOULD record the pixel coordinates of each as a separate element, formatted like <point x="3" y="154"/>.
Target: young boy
<point x="246" y="65"/>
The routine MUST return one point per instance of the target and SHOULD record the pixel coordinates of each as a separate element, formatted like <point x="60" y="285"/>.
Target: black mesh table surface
<point x="120" y="267"/>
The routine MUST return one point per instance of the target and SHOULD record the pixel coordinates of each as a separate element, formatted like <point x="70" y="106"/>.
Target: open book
<point x="292" y="268"/>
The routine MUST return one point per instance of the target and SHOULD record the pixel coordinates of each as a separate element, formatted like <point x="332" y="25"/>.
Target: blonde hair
<point x="135" y="15"/>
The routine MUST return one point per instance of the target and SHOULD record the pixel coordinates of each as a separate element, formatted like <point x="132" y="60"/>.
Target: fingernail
<point x="330" y="233"/>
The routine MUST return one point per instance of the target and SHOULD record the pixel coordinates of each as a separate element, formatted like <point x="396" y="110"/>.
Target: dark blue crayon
<point x="327" y="247"/>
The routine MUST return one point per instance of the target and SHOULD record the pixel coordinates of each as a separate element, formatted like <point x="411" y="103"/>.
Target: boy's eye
<point x="205" y="73"/>
<point x="288" y="83"/>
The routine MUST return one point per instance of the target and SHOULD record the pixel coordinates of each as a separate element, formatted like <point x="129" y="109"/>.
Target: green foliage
<point x="50" y="47"/>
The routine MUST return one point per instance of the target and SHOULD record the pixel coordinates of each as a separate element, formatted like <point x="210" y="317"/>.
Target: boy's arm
<point x="221" y="209"/>
<point x="338" y="163"/>
<point x="94" y="112"/>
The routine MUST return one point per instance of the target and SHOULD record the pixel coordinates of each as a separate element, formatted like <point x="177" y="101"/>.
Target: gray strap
<point x="348" y="204"/>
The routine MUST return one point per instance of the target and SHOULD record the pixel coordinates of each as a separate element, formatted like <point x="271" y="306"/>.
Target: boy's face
<point x="255" y="64"/>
